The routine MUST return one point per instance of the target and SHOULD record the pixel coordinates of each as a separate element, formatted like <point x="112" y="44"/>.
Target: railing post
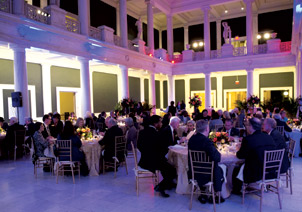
<point x="19" y="7"/>
<point x="57" y="16"/>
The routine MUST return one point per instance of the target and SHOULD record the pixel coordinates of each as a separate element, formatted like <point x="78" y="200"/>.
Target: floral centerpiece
<point x="84" y="133"/>
<point x="222" y="137"/>
<point x="72" y="118"/>
<point x="195" y="101"/>
<point x="2" y="130"/>
<point x="253" y="100"/>
<point x="127" y="104"/>
<point x="293" y="122"/>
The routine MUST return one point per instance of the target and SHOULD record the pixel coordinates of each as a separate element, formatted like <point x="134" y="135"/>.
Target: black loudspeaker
<point x="17" y="99"/>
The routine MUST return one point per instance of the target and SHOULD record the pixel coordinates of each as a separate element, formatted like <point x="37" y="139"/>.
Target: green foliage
<point x="118" y="107"/>
<point x="147" y="107"/>
<point x="288" y="104"/>
<point x="241" y="104"/>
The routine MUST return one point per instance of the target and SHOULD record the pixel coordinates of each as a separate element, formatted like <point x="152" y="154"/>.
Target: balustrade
<point x="36" y="13"/>
<point x="6" y="6"/>
<point x="72" y="25"/>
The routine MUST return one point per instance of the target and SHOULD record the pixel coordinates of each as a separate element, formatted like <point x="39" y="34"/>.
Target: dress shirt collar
<point x="153" y="127"/>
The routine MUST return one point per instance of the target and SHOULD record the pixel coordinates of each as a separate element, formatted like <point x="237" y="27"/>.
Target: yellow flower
<point x="83" y="130"/>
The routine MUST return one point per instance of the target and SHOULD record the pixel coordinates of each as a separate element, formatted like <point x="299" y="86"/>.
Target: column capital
<point x="18" y="47"/>
<point x="248" y="1"/>
<point x="207" y="74"/>
<point x="169" y="15"/>
<point x="149" y="2"/>
<point x="218" y="20"/>
<point x="83" y="59"/>
<point x="206" y="8"/>
<point x="249" y="70"/>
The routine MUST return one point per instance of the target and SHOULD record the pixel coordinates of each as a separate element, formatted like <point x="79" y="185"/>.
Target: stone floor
<point x="20" y="191"/>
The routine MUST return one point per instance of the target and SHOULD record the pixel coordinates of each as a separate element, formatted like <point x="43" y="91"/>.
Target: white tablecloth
<point x="296" y="135"/>
<point x="92" y="151"/>
<point x="178" y="156"/>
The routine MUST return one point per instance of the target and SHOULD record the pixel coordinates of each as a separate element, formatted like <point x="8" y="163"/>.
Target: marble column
<point x="152" y="92"/>
<point x="84" y="16"/>
<point x="161" y="88"/>
<point x="85" y="86"/>
<point x="20" y="81"/>
<point x="160" y="40"/>
<point x="208" y="90"/>
<point x="300" y="72"/>
<point x="255" y="28"/>
<point x="118" y="24"/>
<point x="46" y="78"/>
<point x="142" y="88"/>
<point x="250" y="83"/>
<point x="171" y="89"/>
<point x="207" y="39"/>
<point x="249" y="26"/>
<point x="43" y="3"/>
<point x="18" y="7"/>
<point x="124" y="82"/>
<point x="219" y="91"/>
<point x="123" y="23"/>
<point x="150" y="34"/>
<point x="218" y="33"/>
<point x="170" y="39"/>
<point x="186" y="36"/>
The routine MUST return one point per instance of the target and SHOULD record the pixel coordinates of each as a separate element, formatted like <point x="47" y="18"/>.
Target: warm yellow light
<point x="285" y="93"/>
<point x="242" y="8"/>
<point x="200" y="43"/>
<point x="226" y="11"/>
<point x="39" y="11"/>
<point x="258" y="37"/>
<point x="267" y="35"/>
<point x="195" y="45"/>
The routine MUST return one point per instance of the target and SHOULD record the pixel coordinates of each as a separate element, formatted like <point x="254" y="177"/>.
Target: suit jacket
<point x="167" y="139"/>
<point x="252" y="150"/>
<point x="149" y="145"/>
<point x="199" y="142"/>
<point x="234" y="131"/>
<point x="131" y="136"/>
<point x="109" y="142"/>
<point x="283" y="124"/>
<point x="56" y="130"/>
<point x="10" y="135"/>
<point x="45" y="133"/>
<point x="30" y="129"/>
<point x="280" y="144"/>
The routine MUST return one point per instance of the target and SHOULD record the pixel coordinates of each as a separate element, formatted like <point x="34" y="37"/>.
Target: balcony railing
<point x="6" y="6"/>
<point x="239" y="51"/>
<point x="95" y="33"/>
<point x="36" y="13"/>
<point x="286" y="46"/>
<point x="117" y="40"/>
<point x="260" y="49"/>
<point x="198" y="56"/>
<point x="72" y="25"/>
<point x="216" y="54"/>
<point x="132" y="46"/>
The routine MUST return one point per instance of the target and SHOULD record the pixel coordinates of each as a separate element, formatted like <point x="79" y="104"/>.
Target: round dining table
<point x="296" y="135"/>
<point x="178" y="156"/>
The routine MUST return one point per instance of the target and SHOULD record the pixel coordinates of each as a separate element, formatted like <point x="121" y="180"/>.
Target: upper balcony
<point x="71" y="23"/>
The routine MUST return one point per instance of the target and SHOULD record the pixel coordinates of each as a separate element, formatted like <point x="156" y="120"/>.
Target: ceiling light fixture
<point x="226" y="11"/>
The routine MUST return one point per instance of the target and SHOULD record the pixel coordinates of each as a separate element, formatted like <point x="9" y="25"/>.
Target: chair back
<point x="272" y="164"/>
<point x="134" y="155"/>
<point x="218" y="126"/>
<point x="19" y="137"/>
<point x="120" y="145"/>
<point x="291" y="150"/>
<point x="201" y="164"/>
<point x="64" y="150"/>
<point x="99" y="126"/>
<point x="281" y="130"/>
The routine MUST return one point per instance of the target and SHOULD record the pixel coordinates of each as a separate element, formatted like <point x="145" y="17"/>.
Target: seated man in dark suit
<point x="101" y="121"/>
<point x="46" y="122"/>
<point x="200" y="142"/>
<point x="153" y="155"/>
<point x="57" y="127"/>
<point x="228" y="127"/>
<point x="269" y="126"/>
<point x="252" y="150"/>
<point x="109" y="141"/>
<point x="281" y="123"/>
<point x="9" y="140"/>
<point x="168" y="135"/>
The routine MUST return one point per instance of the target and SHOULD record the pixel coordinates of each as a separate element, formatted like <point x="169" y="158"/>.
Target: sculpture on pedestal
<point x="138" y="23"/>
<point x="227" y="33"/>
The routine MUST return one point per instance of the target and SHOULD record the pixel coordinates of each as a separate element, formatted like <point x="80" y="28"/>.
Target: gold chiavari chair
<point x="272" y="165"/>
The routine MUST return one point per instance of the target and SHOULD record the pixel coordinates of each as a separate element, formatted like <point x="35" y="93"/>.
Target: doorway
<point x="202" y="96"/>
<point x="67" y="102"/>
<point x="231" y="96"/>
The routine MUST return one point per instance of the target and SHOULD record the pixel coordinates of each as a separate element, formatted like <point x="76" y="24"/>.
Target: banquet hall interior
<point x="83" y="80"/>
